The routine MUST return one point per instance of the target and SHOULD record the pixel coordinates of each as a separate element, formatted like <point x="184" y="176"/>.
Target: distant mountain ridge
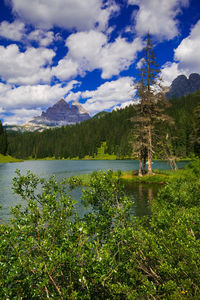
<point x="183" y="86"/>
<point x="61" y="114"/>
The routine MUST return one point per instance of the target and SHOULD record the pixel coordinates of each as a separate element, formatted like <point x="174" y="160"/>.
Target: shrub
<point x="50" y="252"/>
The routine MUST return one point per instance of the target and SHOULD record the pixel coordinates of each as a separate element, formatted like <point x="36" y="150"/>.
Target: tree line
<point x="119" y="133"/>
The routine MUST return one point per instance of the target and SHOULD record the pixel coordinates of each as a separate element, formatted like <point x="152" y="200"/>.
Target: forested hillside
<point x="3" y="140"/>
<point x="117" y="130"/>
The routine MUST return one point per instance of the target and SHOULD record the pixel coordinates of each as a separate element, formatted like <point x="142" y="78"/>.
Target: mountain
<point x="101" y="114"/>
<point x="61" y="114"/>
<point x="182" y="86"/>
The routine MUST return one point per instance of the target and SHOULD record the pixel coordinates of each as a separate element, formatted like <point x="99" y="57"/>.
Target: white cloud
<point x="16" y="31"/>
<point x="186" y="55"/>
<point x="123" y="105"/>
<point x="90" y="50"/>
<point x="4" y="88"/>
<point x="170" y="71"/>
<point x="1" y="110"/>
<point x="21" y="116"/>
<point x="158" y="17"/>
<point x="69" y="14"/>
<point x="106" y="96"/>
<point x="73" y="96"/>
<point x="85" y="49"/>
<point x="27" y="67"/>
<point x="31" y="97"/>
<point x="118" y="56"/>
<point x="65" y="69"/>
<point x="12" y="31"/>
<point x="44" y="38"/>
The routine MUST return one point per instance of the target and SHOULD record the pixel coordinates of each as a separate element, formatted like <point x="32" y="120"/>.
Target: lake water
<point x="142" y="194"/>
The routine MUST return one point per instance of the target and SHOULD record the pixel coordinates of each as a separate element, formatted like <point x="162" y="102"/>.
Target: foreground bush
<point x="50" y="252"/>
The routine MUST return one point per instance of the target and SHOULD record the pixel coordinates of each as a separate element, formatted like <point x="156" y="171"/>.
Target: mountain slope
<point x="61" y="114"/>
<point x="183" y="86"/>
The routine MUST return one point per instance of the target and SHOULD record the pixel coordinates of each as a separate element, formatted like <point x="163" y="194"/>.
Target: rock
<point x="61" y="114"/>
<point x="182" y="86"/>
<point x="194" y="80"/>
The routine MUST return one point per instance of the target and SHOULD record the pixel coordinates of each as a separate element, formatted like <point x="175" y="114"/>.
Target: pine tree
<point x="197" y="130"/>
<point x="140" y="129"/>
<point x="152" y="105"/>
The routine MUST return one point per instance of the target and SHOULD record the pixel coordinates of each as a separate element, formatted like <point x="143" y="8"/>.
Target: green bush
<point x="50" y="252"/>
<point x="194" y="167"/>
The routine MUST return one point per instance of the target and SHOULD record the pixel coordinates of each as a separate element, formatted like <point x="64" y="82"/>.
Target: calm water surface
<point x="141" y="194"/>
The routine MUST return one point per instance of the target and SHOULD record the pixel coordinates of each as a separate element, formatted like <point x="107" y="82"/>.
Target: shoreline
<point x="9" y="159"/>
<point x="160" y="177"/>
<point x="111" y="157"/>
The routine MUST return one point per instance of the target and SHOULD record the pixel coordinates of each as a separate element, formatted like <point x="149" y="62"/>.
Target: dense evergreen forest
<point x="117" y="130"/>
<point x="3" y="140"/>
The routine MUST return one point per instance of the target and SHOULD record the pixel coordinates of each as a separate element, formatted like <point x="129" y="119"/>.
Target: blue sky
<point x="88" y="50"/>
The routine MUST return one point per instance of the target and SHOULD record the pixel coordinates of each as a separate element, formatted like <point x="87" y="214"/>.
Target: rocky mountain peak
<point x="81" y="109"/>
<point x="182" y="86"/>
<point x="61" y="103"/>
<point x="194" y="80"/>
<point x="61" y="114"/>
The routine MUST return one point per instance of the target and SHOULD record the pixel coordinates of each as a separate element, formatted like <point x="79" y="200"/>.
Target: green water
<point x="142" y="194"/>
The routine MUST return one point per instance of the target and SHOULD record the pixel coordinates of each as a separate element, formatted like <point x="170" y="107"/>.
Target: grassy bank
<point x="159" y="177"/>
<point x="8" y="159"/>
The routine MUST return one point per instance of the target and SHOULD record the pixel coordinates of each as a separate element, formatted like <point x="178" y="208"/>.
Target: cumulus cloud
<point x="170" y="71"/>
<point x="65" y="69"/>
<point x="31" y="97"/>
<point x="1" y="110"/>
<point x="90" y="50"/>
<point x="42" y="37"/>
<point x="12" y="31"/>
<point x="73" y="96"/>
<point x="158" y="17"/>
<point x="123" y="105"/>
<point x="21" y="116"/>
<point x="68" y="14"/>
<point x="106" y="96"/>
<point x="186" y="55"/>
<point x="17" y="31"/>
<point x="27" y="67"/>
<point x="118" y="56"/>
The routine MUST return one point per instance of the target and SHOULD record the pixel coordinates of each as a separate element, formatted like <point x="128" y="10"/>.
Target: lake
<point x="142" y="194"/>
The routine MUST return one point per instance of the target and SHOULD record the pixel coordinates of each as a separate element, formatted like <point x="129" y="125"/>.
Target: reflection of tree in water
<point x="142" y="195"/>
<point x="150" y="195"/>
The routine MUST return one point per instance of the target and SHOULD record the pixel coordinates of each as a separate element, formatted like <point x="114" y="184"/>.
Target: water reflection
<point x="142" y="195"/>
<point x="65" y="168"/>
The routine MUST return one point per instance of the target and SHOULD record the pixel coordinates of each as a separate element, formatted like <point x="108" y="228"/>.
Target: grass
<point x="101" y="157"/>
<point x="158" y="177"/>
<point x="8" y="159"/>
<point x="83" y="179"/>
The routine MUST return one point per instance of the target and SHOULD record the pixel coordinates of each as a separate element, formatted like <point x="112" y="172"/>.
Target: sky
<point x="89" y="51"/>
